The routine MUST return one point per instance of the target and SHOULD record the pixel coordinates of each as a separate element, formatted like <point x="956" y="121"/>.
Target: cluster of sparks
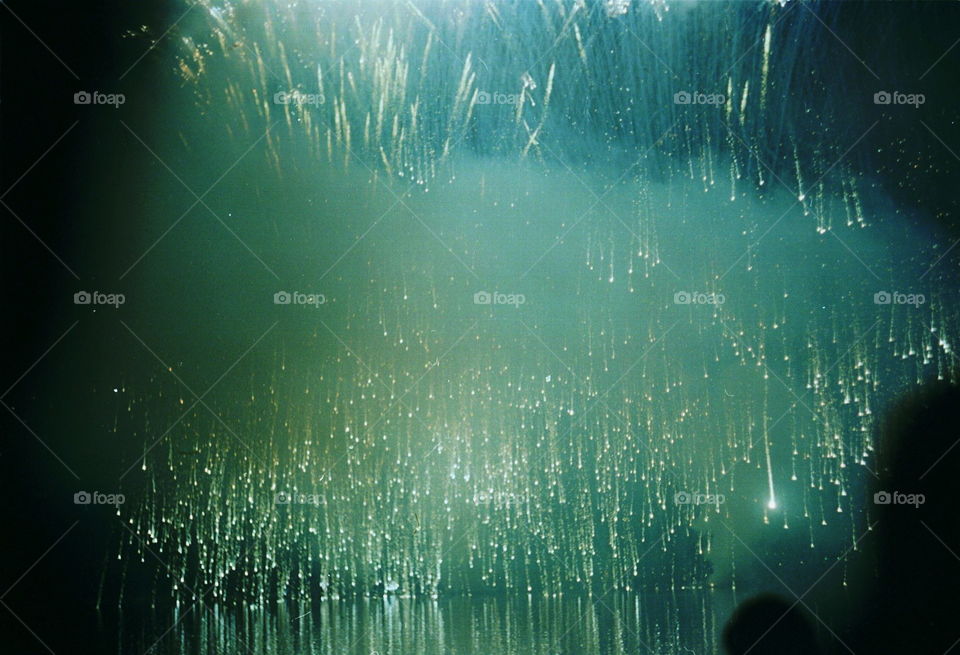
<point x="419" y="443"/>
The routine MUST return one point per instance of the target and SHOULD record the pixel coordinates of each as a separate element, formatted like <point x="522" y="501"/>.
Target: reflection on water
<point x="665" y="623"/>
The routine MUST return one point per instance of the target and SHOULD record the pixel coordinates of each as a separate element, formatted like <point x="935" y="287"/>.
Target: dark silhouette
<point x="916" y="497"/>
<point x="914" y="603"/>
<point x="769" y="625"/>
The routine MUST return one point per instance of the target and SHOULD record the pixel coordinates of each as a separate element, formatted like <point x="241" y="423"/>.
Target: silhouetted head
<point x="920" y="454"/>
<point x="915" y="499"/>
<point x="769" y="625"/>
